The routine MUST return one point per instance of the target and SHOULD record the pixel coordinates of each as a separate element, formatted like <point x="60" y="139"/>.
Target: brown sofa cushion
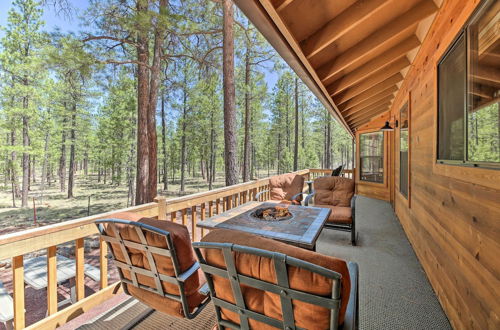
<point x="185" y="255"/>
<point x="333" y="191"/>
<point x="306" y="315"/>
<point x="339" y="214"/>
<point x="285" y="186"/>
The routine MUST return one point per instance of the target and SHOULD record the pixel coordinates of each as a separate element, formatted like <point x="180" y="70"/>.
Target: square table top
<point x="35" y="271"/>
<point x="302" y="229"/>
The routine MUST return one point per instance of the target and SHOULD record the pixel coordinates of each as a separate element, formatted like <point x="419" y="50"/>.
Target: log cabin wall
<point x="452" y="216"/>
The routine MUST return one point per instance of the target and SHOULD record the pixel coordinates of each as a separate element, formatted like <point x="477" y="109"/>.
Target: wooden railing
<point x="186" y="210"/>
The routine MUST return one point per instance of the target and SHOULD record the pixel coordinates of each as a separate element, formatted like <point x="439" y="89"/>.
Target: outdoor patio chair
<point x="285" y="188"/>
<point x="156" y="264"/>
<point x="338" y="171"/>
<point x="282" y="287"/>
<point x="6" y="308"/>
<point x="337" y="194"/>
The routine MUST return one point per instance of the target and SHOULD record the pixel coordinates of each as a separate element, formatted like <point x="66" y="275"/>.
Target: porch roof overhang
<point x="352" y="54"/>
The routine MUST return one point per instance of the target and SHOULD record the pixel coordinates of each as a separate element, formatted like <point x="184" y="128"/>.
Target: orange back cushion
<point x="306" y="315"/>
<point x="285" y="186"/>
<point x="333" y="190"/>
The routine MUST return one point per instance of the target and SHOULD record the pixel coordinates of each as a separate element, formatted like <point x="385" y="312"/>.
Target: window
<point x="469" y="95"/>
<point x="371" y="156"/>
<point x="403" y="151"/>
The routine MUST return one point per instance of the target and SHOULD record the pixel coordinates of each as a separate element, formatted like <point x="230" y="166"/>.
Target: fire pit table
<point x="292" y="224"/>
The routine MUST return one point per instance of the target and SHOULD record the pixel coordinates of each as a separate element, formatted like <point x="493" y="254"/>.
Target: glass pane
<point x="451" y="73"/>
<point x="371" y="154"/>
<point x="483" y="117"/>
<point x="403" y="151"/>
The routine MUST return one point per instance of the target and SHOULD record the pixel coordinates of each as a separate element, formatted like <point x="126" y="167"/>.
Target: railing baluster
<point x="173" y="216"/>
<point x="103" y="261"/>
<point x="184" y="217"/>
<point x="80" y="275"/>
<point x="51" y="280"/>
<point x="202" y="212"/>
<point x="193" y="223"/>
<point x="18" y="283"/>
<point x="217" y="206"/>
<point x="210" y="209"/>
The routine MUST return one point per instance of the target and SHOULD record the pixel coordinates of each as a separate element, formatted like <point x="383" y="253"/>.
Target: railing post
<point x="103" y="260"/>
<point x="162" y="207"/>
<point x="52" y="280"/>
<point x="202" y="212"/>
<point x="80" y="275"/>
<point x="184" y="217"/>
<point x="18" y="283"/>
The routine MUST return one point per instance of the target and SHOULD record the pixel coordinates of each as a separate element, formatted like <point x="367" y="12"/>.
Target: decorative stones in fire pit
<point x="276" y="213"/>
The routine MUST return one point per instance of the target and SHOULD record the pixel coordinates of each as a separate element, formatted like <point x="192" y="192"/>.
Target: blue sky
<point x="54" y="20"/>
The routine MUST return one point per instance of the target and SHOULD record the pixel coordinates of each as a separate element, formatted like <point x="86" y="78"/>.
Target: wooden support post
<point x="202" y="212"/>
<point x="184" y="217"/>
<point x="103" y="260"/>
<point x="162" y="207"/>
<point x="193" y="223"/>
<point x="51" y="280"/>
<point x="18" y="284"/>
<point x="80" y="275"/>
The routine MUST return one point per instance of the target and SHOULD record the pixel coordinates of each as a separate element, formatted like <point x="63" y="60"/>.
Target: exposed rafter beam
<point x="372" y="92"/>
<point x="371" y="100"/>
<point x="377" y="40"/>
<point x="348" y="95"/>
<point x="281" y="4"/>
<point x="372" y="112"/>
<point x="361" y="120"/>
<point x="347" y="20"/>
<point x="377" y="64"/>
<point x="488" y="75"/>
<point x="389" y="72"/>
<point x="349" y="114"/>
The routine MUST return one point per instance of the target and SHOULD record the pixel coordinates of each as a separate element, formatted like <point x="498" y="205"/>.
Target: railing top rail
<point x="29" y="233"/>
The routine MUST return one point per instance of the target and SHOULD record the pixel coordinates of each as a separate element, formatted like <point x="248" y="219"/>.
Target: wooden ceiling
<point x="355" y="53"/>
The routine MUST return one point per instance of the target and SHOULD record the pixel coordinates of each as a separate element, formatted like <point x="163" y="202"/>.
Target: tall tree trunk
<point x="33" y="168"/>
<point x="296" y="142"/>
<point x="164" y="142"/>
<point x="44" y="163"/>
<point x="143" y="152"/>
<point x="212" y="151"/>
<point x="230" y="143"/>
<point x="62" y="158"/>
<point x="183" y="136"/>
<point x="247" y="143"/>
<point x="13" y="169"/>
<point x="71" y="176"/>
<point x="26" y="160"/>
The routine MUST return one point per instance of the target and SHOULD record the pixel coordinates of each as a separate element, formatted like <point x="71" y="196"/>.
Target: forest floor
<point x="54" y="207"/>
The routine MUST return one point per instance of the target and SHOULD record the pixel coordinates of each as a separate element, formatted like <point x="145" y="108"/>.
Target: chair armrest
<point x="188" y="273"/>
<point x="257" y="196"/>
<point x="309" y="197"/>
<point x="296" y="196"/>
<point x="351" y="318"/>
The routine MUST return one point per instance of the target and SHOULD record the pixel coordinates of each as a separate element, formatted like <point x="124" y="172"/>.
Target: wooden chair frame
<point x="282" y="288"/>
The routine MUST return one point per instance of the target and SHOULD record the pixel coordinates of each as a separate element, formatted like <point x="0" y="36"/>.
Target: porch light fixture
<point x="387" y="127"/>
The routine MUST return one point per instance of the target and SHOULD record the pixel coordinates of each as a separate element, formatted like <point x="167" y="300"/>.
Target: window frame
<point x="465" y="32"/>
<point x="406" y="104"/>
<point x="384" y="158"/>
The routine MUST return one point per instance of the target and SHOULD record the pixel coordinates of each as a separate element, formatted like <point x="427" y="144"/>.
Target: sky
<point x="54" y="20"/>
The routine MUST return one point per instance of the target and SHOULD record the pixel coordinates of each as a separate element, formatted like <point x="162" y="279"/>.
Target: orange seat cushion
<point x="333" y="191"/>
<point x="185" y="255"/>
<point x="306" y="315"/>
<point x="339" y="214"/>
<point x="285" y="186"/>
